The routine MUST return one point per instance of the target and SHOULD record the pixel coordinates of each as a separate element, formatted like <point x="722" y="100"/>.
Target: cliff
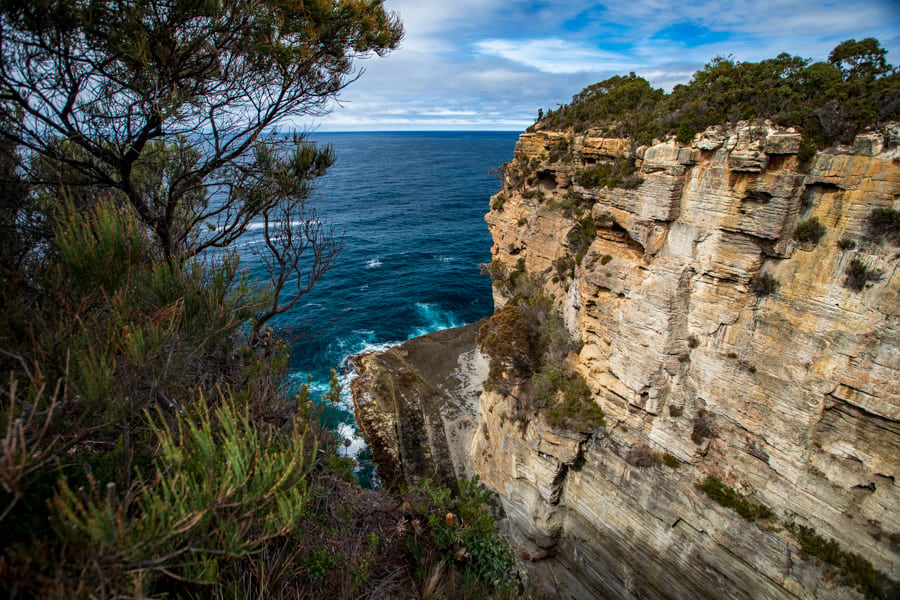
<point x="734" y="314"/>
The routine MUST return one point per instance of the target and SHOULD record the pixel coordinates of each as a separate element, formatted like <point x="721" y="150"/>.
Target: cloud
<point x="490" y="64"/>
<point x="553" y="55"/>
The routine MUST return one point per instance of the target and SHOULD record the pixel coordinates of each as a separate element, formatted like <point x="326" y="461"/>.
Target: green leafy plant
<point x="859" y="274"/>
<point x="763" y="284"/>
<point x="464" y="534"/>
<point x="883" y="224"/>
<point x="853" y="570"/>
<point x="728" y="497"/>
<point x="222" y="488"/>
<point x="810" y="231"/>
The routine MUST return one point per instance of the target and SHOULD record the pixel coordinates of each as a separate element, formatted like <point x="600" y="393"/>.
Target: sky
<point x="491" y="64"/>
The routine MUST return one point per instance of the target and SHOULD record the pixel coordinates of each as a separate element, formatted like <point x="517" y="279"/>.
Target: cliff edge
<point x="735" y="314"/>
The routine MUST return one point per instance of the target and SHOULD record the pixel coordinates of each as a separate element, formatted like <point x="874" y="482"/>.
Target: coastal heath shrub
<point x="464" y="532"/>
<point x="223" y="487"/>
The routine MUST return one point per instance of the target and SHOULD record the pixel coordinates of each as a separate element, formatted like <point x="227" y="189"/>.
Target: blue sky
<point x="490" y="64"/>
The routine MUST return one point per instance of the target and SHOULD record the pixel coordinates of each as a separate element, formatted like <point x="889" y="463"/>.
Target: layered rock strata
<point x="787" y="390"/>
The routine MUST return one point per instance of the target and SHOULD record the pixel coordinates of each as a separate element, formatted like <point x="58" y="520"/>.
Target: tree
<point x="863" y="59"/>
<point x="169" y="104"/>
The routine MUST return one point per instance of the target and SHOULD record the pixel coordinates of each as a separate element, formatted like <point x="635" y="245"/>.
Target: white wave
<point x="373" y="264"/>
<point x="347" y="431"/>
<point x="435" y="319"/>
<point x="258" y="225"/>
<point x="446" y="259"/>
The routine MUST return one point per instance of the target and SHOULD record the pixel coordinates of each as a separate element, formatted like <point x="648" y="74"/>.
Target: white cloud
<point x="553" y="55"/>
<point x="493" y="63"/>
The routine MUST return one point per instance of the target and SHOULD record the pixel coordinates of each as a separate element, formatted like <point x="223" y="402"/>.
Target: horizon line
<point x="417" y="131"/>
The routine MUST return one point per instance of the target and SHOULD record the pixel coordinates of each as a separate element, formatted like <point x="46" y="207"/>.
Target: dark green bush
<point x="883" y="224"/>
<point x="728" y="497"/>
<point x="564" y="267"/>
<point x="858" y="274"/>
<point x="846" y="244"/>
<point x="810" y="231"/>
<point x="576" y="410"/>
<point x="854" y="570"/>
<point x="581" y="236"/>
<point x="763" y="284"/>
<point x="670" y="461"/>
<point x="622" y="172"/>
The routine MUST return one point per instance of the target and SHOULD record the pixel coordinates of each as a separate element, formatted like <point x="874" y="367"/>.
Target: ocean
<point x="410" y="207"/>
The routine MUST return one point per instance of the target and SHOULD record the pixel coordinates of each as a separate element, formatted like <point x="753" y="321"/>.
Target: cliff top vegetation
<point x="828" y="101"/>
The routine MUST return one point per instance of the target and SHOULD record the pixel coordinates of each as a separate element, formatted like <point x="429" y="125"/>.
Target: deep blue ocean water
<point x="411" y="210"/>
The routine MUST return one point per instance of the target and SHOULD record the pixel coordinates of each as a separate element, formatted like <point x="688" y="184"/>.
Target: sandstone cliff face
<point x="791" y="397"/>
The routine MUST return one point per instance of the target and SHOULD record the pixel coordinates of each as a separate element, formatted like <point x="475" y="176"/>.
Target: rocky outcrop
<point x="417" y="406"/>
<point x="717" y="341"/>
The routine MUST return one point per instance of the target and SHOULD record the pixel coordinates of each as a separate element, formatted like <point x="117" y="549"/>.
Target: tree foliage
<point x="121" y="81"/>
<point x="830" y="101"/>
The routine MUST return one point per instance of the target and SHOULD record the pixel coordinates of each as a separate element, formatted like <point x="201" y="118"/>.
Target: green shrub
<point x="577" y="409"/>
<point x="808" y="149"/>
<point x="763" y="284"/>
<point x="846" y="244"/>
<point x="581" y="236"/>
<point x="859" y="274"/>
<point x="728" y="497"/>
<point x="619" y="173"/>
<point x="854" y="570"/>
<point x="564" y="266"/>
<point x="670" y="461"/>
<point x="883" y="224"/>
<point x="465" y="536"/>
<point x="809" y="231"/>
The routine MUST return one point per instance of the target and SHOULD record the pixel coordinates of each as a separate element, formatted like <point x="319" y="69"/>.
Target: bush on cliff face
<point x="763" y="284"/>
<point x="809" y="231"/>
<point x="853" y="570"/>
<point x="619" y="173"/>
<point x="859" y="274"/>
<point x="505" y="337"/>
<point x="883" y="224"/>
<point x="528" y="345"/>
<point x="729" y="497"/>
<point x="568" y="400"/>
<point x="830" y="101"/>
